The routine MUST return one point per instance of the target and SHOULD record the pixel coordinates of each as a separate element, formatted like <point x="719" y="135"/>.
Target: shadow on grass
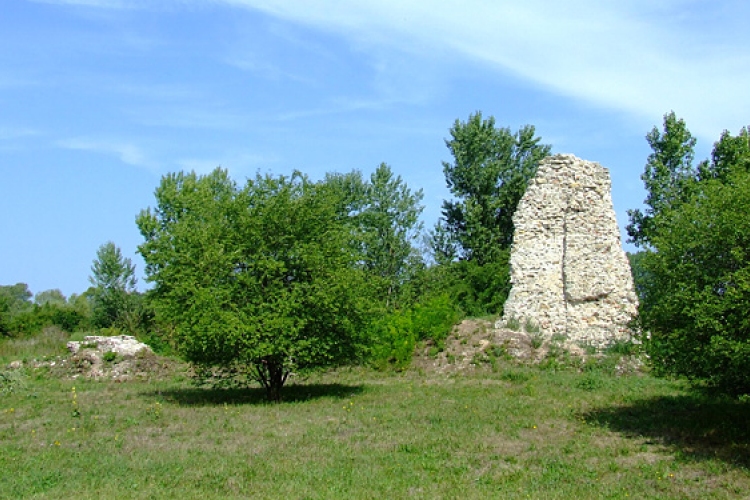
<point x="294" y="393"/>
<point x="697" y="427"/>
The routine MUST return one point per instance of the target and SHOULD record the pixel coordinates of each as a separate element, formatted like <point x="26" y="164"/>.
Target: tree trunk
<point x="272" y="375"/>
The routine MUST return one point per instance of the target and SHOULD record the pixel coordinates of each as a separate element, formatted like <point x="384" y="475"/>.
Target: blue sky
<point x="100" y="98"/>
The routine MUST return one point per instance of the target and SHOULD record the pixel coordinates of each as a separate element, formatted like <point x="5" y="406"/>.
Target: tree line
<point x="285" y="274"/>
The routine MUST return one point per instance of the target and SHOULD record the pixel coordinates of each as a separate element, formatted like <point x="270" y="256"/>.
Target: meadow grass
<point x="514" y="432"/>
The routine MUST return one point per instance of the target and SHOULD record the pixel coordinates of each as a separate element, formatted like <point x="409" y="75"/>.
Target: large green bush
<point x="698" y="287"/>
<point x="395" y="335"/>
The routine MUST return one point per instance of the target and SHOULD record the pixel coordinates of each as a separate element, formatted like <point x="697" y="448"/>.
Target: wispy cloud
<point x="635" y="57"/>
<point x="126" y="152"/>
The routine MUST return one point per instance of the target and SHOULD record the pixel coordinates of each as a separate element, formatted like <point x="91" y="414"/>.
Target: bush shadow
<point x="695" y="426"/>
<point x="294" y="393"/>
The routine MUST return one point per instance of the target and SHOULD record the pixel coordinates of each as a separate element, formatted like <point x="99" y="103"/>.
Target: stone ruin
<point x="569" y="274"/>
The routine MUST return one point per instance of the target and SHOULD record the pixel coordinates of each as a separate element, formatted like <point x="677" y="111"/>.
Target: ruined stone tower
<point x="569" y="273"/>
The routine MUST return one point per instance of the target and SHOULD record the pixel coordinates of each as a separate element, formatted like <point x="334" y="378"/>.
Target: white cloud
<point x="127" y="153"/>
<point x="640" y="58"/>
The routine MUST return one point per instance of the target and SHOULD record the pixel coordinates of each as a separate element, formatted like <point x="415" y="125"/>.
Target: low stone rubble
<point x="91" y="357"/>
<point x="124" y="345"/>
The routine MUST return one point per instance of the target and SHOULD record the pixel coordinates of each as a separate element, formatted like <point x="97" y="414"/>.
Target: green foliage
<point x="34" y="320"/>
<point x="434" y="318"/>
<point x="530" y="327"/>
<point x="396" y="334"/>
<point x="20" y="317"/>
<point x="668" y="176"/>
<point x="394" y="340"/>
<point x="114" y="298"/>
<point x="640" y="275"/>
<point x="11" y="381"/>
<point x="692" y="280"/>
<point x="4" y="316"/>
<point x="698" y="289"/>
<point x="384" y="214"/>
<point x="730" y="154"/>
<point x="477" y="290"/>
<point x="489" y="174"/>
<point x="513" y="324"/>
<point x="537" y="341"/>
<point x="16" y="298"/>
<point x="54" y="296"/>
<point x="624" y="348"/>
<point x="262" y="276"/>
<point x="391" y="223"/>
<point x="490" y="171"/>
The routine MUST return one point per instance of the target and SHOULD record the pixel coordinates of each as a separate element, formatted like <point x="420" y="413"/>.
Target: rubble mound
<point x="476" y="344"/>
<point x="118" y="358"/>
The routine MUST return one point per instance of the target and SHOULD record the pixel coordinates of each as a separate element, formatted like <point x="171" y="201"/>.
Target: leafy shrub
<point x="11" y="381"/>
<point x="434" y="318"/>
<point x="396" y="334"/>
<point x="537" y="341"/>
<point x="698" y="287"/>
<point x="591" y="381"/>
<point x="393" y="341"/>
<point x="515" y="375"/>
<point x="32" y="321"/>
<point x="623" y="348"/>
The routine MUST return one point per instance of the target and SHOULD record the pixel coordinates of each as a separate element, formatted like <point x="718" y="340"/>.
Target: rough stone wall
<point x="569" y="273"/>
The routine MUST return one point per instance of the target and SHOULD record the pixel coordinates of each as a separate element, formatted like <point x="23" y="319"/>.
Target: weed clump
<point x="11" y="381"/>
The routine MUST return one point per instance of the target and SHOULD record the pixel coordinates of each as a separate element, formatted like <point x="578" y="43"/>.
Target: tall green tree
<point x="668" y="175"/>
<point x="261" y="278"/>
<point x="14" y="301"/>
<point x="730" y="154"/>
<point x="53" y="296"/>
<point x="4" y="316"/>
<point x="384" y="213"/>
<point x="390" y="223"/>
<point x="488" y="176"/>
<point x="114" y="286"/>
<point x="17" y="297"/>
<point x="697" y="291"/>
<point x="693" y="278"/>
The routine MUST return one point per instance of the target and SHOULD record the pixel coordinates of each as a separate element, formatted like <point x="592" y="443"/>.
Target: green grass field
<point x="512" y="432"/>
